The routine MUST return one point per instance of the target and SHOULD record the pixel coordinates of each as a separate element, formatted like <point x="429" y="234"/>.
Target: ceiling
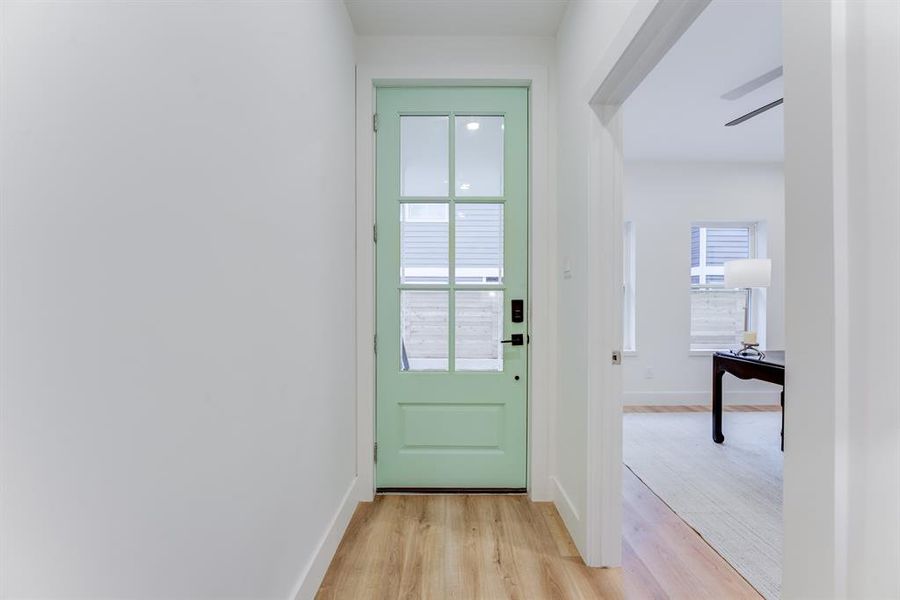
<point x="456" y="17"/>
<point x="678" y="111"/>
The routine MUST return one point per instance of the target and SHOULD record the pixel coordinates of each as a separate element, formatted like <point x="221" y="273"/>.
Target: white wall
<point x="586" y="31"/>
<point x="662" y="200"/>
<point x="842" y="148"/>
<point x="177" y="389"/>
<point x="873" y="418"/>
<point x="447" y="51"/>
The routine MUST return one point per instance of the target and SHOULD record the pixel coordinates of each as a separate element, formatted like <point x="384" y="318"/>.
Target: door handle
<point x="516" y="339"/>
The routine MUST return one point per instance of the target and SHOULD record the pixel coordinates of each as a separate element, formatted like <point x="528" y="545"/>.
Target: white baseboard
<point x="702" y="398"/>
<point x="569" y="514"/>
<point x="312" y="575"/>
<point x="543" y="493"/>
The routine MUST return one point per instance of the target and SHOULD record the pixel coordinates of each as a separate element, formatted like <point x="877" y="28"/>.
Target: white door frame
<point x="649" y="32"/>
<point x="816" y="149"/>
<point x="827" y="44"/>
<point x="542" y="252"/>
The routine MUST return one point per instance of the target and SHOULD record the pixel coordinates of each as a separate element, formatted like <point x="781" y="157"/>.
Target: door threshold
<point x="442" y="490"/>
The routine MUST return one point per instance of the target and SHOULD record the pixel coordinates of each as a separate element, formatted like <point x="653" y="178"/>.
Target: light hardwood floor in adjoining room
<point x="496" y="547"/>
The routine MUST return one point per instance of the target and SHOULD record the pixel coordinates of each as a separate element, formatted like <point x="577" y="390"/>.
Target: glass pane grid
<point x="452" y="252"/>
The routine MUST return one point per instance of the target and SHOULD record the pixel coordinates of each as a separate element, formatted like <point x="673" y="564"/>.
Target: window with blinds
<point x="717" y="313"/>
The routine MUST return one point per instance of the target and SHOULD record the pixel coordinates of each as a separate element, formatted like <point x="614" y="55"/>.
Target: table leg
<point x="782" y="419"/>
<point x="717" y="405"/>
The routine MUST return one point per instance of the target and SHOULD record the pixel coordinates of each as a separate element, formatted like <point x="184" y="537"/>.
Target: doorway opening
<point x="703" y="279"/>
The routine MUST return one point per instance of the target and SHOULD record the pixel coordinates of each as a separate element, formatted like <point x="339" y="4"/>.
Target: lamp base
<point x="750" y="351"/>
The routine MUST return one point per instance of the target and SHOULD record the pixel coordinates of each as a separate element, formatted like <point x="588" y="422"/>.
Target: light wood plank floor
<point x="498" y="547"/>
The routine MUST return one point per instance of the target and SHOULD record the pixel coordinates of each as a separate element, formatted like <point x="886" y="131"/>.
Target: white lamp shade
<point x="748" y="273"/>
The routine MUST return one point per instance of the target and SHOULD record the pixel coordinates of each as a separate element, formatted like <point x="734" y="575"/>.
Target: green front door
<point x="452" y="256"/>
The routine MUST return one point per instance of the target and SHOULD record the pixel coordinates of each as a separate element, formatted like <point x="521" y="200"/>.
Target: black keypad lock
<point x="517" y="312"/>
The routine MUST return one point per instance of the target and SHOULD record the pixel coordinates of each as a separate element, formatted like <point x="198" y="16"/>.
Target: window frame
<point x="703" y="271"/>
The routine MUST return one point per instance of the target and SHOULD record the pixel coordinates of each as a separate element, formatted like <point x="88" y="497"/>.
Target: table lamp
<point x="749" y="273"/>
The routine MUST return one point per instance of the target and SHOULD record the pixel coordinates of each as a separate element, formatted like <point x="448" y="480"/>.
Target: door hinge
<point x="375" y="122"/>
<point x="375" y="233"/>
<point x="375" y="453"/>
<point x="375" y="343"/>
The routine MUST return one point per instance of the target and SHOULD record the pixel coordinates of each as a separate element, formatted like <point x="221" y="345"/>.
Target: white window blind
<point x="717" y="313"/>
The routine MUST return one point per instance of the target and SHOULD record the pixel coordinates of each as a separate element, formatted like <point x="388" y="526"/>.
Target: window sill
<point x="711" y="352"/>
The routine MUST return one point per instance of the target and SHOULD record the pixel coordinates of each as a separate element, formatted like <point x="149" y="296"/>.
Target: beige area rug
<point x="731" y="494"/>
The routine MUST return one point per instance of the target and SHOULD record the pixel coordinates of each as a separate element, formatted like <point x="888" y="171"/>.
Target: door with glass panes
<point x="452" y="256"/>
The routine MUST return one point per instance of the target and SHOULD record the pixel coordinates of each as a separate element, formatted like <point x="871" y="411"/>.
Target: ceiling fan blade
<point x="754" y="113"/>
<point x="753" y="84"/>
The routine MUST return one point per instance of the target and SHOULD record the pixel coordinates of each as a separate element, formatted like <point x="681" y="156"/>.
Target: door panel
<point x="451" y="256"/>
